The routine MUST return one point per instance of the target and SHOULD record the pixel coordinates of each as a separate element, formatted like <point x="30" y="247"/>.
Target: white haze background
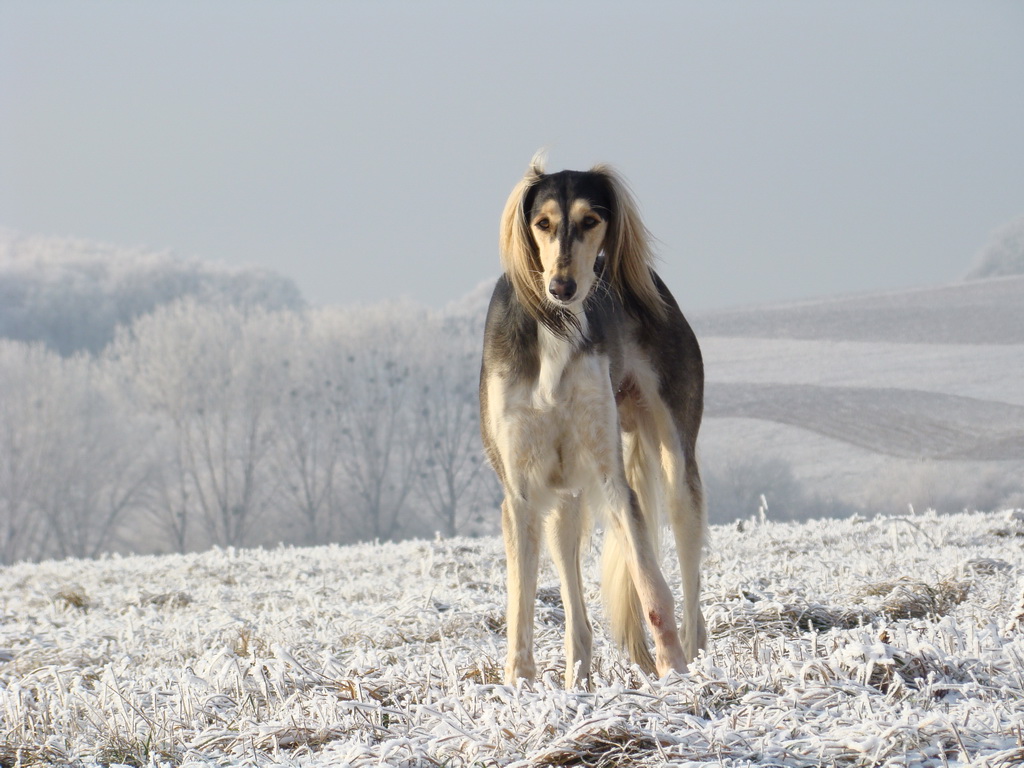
<point x="781" y="150"/>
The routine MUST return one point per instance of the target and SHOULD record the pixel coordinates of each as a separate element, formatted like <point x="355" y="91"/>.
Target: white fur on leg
<point x="522" y="549"/>
<point x="688" y="519"/>
<point x="565" y="530"/>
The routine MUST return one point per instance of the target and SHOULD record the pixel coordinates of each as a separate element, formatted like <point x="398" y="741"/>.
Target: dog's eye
<point x="543" y="224"/>
<point x="589" y="222"/>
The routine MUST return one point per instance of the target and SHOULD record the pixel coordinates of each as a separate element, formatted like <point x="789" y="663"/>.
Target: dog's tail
<point x="621" y="601"/>
<point x="622" y="604"/>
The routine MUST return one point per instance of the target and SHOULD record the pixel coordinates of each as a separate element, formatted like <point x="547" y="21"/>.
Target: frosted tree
<point x="98" y="463"/>
<point x="165" y="502"/>
<point x="454" y="480"/>
<point x="73" y="462"/>
<point x="309" y="417"/>
<point x="1003" y="254"/>
<point x="381" y="435"/>
<point x="232" y="424"/>
<point x="168" y="497"/>
<point x="71" y="294"/>
<point x="212" y="375"/>
<point x="24" y="371"/>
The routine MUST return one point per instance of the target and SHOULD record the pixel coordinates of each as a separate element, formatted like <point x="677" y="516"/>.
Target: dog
<point x="591" y="397"/>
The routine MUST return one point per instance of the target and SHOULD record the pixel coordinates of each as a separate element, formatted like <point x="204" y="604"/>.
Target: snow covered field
<point x="885" y="641"/>
<point x="878" y="401"/>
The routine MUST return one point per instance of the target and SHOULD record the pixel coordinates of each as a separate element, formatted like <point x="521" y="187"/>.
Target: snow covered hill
<point x="914" y="397"/>
<point x="855" y="642"/>
<point x="976" y="312"/>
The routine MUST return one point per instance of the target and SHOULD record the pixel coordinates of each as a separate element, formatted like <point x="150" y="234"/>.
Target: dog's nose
<point x="562" y="289"/>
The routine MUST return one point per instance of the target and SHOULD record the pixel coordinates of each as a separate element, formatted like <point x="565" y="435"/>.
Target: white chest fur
<point x="548" y="431"/>
<point x="555" y="354"/>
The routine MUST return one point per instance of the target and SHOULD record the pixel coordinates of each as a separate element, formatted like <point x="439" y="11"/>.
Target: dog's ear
<point x="628" y="255"/>
<point x="518" y="251"/>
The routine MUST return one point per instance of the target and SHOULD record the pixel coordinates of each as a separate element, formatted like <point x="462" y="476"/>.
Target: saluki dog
<point x="591" y="396"/>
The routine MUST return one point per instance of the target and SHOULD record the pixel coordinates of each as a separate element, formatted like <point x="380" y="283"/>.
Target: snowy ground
<point x="890" y="641"/>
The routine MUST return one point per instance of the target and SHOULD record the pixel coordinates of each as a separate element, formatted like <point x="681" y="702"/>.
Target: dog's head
<point x="554" y="229"/>
<point x="568" y="214"/>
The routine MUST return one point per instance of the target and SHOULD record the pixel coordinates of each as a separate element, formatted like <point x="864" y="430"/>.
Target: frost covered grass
<point x="886" y="641"/>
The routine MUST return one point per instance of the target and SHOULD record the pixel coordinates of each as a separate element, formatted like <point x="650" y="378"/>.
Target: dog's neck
<point x="555" y="352"/>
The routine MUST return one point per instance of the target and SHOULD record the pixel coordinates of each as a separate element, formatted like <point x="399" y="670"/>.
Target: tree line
<point x="72" y="294"/>
<point x="206" y="424"/>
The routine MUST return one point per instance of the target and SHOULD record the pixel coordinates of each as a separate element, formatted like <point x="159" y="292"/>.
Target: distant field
<point x="981" y="371"/>
<point x="863" y="385"/>
<point x="980" y="312"/>
<point x="898" y="422"/>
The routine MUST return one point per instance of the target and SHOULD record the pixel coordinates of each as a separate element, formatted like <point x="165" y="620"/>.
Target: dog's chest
<point x="552" y="427"/>
<point x="552" y="382"/>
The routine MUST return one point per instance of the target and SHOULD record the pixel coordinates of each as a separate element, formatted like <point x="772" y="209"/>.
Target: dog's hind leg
<point x="564" y="534"/>
<point x="628" y="525"/>
<point x="686" y="513"/>
<point x="522" y="548"/>
<point x="620" y="597"/>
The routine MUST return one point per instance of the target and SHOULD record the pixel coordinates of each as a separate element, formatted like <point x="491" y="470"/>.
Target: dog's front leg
<point x="522" y="547"/>
<point x="564" y="533"/>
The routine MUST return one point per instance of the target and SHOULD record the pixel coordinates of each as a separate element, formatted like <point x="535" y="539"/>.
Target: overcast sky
<point x="779" y="150"/>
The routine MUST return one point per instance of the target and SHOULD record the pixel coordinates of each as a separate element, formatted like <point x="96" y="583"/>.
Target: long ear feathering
<point x="629" y="260"/>
<point x="518" y="255"/>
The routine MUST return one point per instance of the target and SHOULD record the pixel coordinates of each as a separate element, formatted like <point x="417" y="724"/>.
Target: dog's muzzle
<point x="563" y="289"/>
